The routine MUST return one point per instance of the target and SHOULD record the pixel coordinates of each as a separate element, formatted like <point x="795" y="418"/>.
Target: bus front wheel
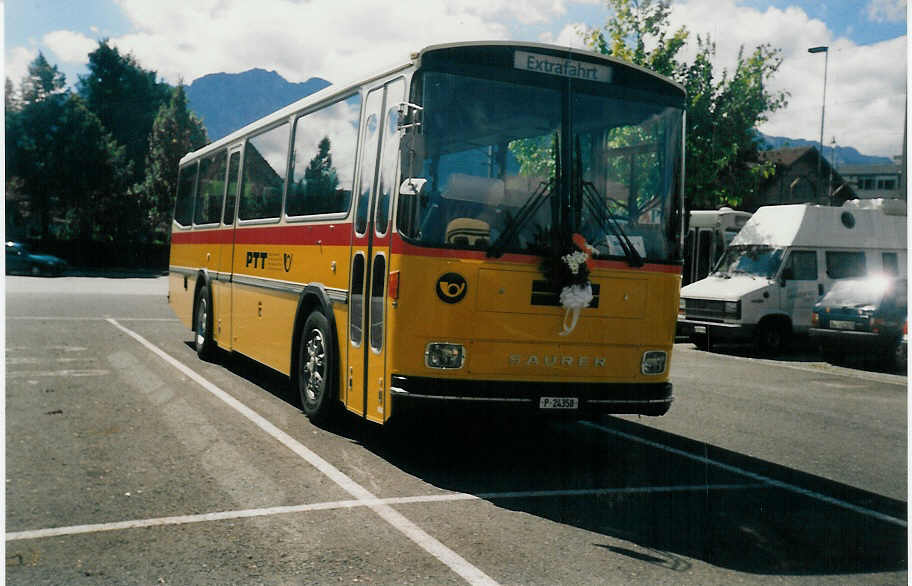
<point x="316" y="365"/>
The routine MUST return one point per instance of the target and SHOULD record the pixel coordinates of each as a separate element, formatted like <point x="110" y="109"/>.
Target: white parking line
<point x="752" y="475"/>
<point x="350" y="504"/>
<point x="449" y="557"/>
<point x="87" y="318"/>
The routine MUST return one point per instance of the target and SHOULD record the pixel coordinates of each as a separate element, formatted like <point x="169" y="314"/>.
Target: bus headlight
<point x="444" y="355"/>
<point x="653" y="362"/>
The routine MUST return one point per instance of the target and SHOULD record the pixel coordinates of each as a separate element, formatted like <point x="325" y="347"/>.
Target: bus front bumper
<point x="590" y="398"/>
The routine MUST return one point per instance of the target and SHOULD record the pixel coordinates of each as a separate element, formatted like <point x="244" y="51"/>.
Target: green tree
<point x="94" y="177"/>
<point x="41" y="81"/>
<point x="723" y="110"/>
<point x="175" y="132"/>
<point x="126" y="98"/>
<point x="60" y="156"/>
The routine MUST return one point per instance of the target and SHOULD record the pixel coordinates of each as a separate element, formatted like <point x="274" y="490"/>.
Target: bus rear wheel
<point x="316" y="365"/>
<point x="203" y="341"/>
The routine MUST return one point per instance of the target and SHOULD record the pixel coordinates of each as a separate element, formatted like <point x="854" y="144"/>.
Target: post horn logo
<point x="451" y="288"/>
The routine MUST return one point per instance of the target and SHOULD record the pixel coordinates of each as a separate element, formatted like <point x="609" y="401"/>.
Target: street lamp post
<point x="826" y="57"/>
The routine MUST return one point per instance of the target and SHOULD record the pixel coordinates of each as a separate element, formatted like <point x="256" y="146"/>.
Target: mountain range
<point x="228" y="101"/>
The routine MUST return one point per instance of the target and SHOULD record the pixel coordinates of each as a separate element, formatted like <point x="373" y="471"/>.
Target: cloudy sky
<point x="334" y="39"/>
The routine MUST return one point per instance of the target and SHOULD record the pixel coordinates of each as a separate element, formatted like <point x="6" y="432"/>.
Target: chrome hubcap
<point x="202" y="319"/>
<point x="314" y="364"/>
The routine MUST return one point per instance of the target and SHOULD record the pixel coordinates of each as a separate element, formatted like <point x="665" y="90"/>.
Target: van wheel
<point x="831" y="355"/>
<point x="897" y="359"/>
<point x="203" y="341"/>
<point x="701" y="341"/>
<point x="316" y="368"/>
<point x="772" y="337"/>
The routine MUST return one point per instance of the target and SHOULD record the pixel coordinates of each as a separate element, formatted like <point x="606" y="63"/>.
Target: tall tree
<point x="723" y="110"/>
<point x="126" y="98"/>
<point x="175" y="132"/>
<point x="60" y="156"/>
<point x="41" y="81"/>
<point x="32" y="135"/>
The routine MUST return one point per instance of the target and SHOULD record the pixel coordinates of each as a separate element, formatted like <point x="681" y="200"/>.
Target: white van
<point x="709" y="233"/>
<point x="782" y="261"/>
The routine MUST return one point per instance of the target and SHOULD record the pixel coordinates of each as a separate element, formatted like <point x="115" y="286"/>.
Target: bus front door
<point x="366" y="385"/>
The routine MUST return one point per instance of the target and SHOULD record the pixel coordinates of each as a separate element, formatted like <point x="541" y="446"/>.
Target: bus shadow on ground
<point x="802" y="349"/>
<point x="682" y="500"/>
<point x="736" y="512"/>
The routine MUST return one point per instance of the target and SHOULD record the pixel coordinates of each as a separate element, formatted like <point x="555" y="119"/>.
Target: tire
<point x="315" y="378"/>
<point x="36" y="271"/>
<point x="831" y="355"/>
<point x="701" y="341"/>
<point x="897" y="358"/>
<point x="202" y="324"/>
<point x="772" y="337"/>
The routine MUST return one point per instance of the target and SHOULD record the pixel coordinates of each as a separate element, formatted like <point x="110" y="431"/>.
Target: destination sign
<point x="562" y="67"/>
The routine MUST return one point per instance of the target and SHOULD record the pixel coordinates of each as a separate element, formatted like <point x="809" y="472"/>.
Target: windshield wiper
<point x="606" y="218"/>
<point x="597" y="205"/>
<point x="528" y="209"/>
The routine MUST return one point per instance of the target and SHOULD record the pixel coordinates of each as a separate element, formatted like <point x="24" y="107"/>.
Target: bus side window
<point x="234" y="164"/>
<point x="186" y="184"/>
<point x="323" y="163"/>
<point x="264" y="172"/>
<point x="211" y="190"/>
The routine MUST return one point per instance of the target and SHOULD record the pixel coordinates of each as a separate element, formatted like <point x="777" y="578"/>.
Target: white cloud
<point x="17" y="62"/>
<point x="325" y="38"/>
<point x="69" y="46"/>
<point x="887" y="10"/>
<point x="865" y="84"/>
<point x="568" y="36"/>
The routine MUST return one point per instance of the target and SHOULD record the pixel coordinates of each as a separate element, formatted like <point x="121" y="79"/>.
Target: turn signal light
<point x="393" y="286"/>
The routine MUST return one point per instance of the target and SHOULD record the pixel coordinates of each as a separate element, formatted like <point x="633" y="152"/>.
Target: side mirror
<point x="412" y="186"/>
<point x="787" y="275"/>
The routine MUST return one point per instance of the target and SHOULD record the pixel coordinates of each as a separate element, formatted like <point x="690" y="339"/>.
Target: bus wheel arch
<point x="773" y="333"/>
<point x="315" y="356"/>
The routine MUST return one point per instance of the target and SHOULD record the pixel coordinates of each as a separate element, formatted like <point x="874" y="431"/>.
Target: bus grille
<point x="704" y="309"/>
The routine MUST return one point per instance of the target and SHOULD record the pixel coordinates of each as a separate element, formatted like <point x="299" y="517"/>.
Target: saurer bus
<point x="491" y="223"/>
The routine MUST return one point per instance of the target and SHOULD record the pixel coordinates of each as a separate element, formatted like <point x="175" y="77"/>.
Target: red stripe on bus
<point x="327" y="234"/>
<point x="340" y="235"/>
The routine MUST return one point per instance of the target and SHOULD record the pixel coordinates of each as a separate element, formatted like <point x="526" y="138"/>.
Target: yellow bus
<point x="488" y="223"/>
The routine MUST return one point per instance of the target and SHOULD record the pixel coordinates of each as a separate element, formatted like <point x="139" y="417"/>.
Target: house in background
<point x="870" y="181"/>
<point x="797" y="180"/>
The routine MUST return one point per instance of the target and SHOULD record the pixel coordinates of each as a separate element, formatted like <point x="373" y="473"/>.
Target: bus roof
<point x="335" y="91"/>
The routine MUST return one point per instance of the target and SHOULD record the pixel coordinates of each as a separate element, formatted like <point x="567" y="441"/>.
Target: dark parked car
<point x="20" y="260"/>
<point x="863" y="316"/>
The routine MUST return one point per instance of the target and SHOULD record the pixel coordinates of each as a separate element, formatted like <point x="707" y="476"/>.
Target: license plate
<point x="558" y="403"/>
<point x="839" y="324"/>
<point x="699" y="329"/>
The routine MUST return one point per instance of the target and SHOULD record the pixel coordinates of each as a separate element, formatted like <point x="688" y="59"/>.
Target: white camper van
<point x="782" y="261"/>
<point x="709" y="233"/>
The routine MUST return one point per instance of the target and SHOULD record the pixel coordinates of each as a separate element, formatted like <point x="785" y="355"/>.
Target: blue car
<point x="21" y="261"/>
<point x="865" y="317"/>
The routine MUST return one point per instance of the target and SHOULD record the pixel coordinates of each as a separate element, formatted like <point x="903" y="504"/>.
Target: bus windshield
<point x="492" y="153"/>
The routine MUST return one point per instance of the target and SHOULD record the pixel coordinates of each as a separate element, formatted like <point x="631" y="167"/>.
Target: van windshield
<point x="754" y="260"/>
